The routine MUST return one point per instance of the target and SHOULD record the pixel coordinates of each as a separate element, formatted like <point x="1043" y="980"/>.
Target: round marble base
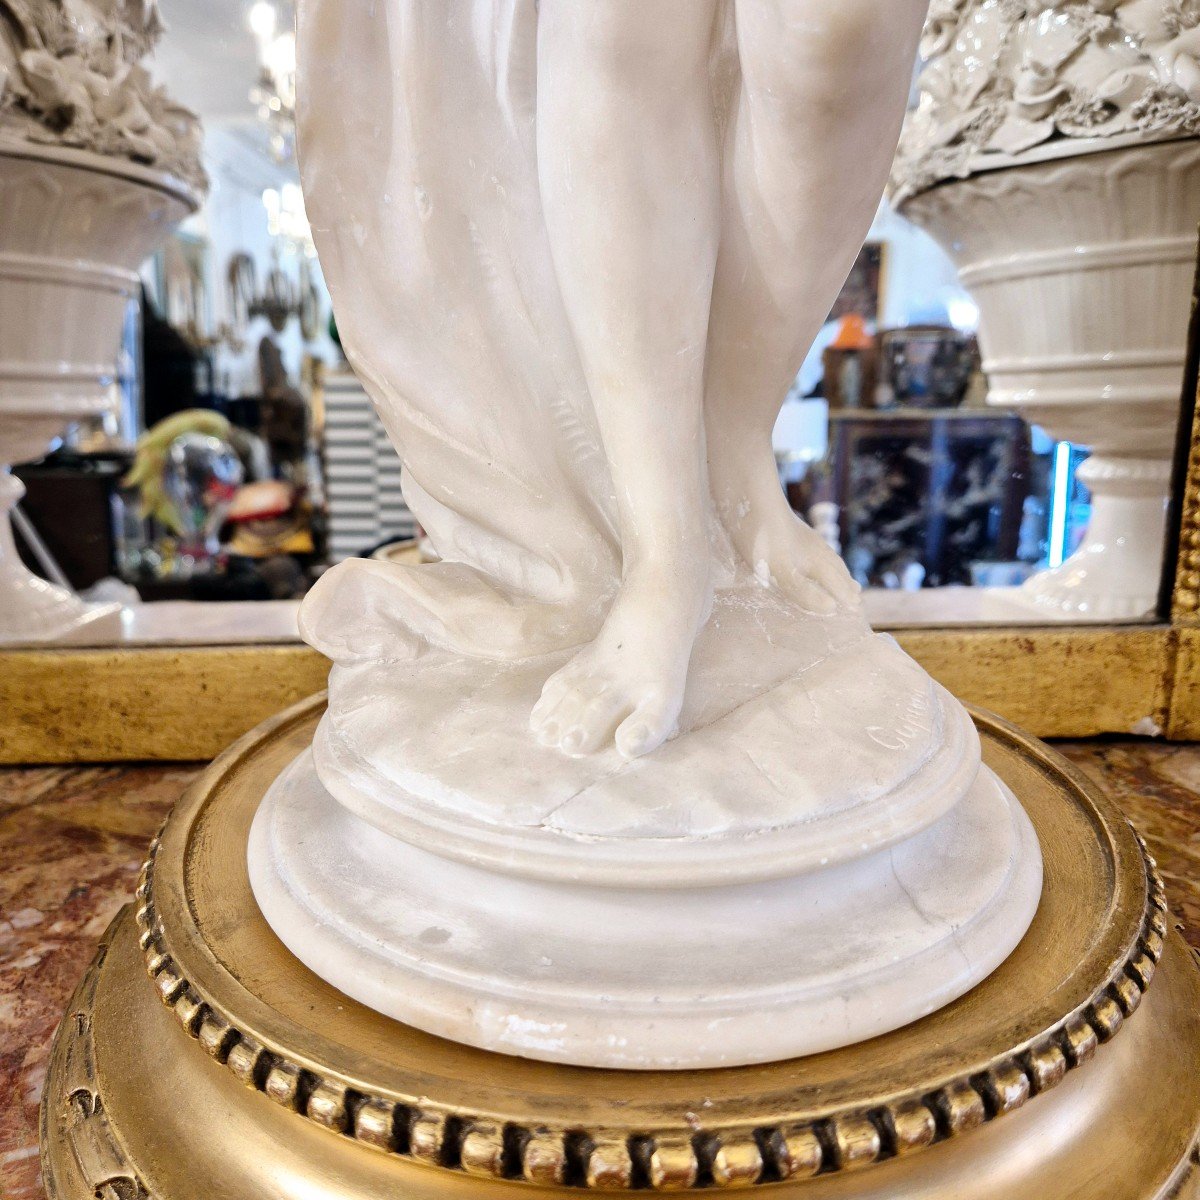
<point x="647" y="977"/>
<point x="816" y="859"/>
<point x="199" y="1057"/>
<point x="804" y="742"/>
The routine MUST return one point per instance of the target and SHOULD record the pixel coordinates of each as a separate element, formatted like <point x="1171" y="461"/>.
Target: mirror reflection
<point x="984" y="439"/>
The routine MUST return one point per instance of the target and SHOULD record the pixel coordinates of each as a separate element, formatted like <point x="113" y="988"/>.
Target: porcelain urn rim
<point x="104" y="164"/>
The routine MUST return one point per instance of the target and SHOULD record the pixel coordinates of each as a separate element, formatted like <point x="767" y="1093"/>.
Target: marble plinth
<point x="817" y="741"/>
<point x="824" y="811"/>
<point x="647" y="977"/>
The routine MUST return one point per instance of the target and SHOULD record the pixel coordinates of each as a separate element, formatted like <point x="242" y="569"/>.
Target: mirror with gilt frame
<point x="950" y="510"/>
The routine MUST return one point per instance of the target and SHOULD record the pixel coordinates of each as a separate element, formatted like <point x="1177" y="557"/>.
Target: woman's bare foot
<point x="785" y="552"/>
<point x="631" y="679"/>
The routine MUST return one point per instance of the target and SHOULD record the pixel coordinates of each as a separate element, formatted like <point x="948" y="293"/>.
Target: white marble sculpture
<point x="625" y="779"/>
<point x="584" y="352"/>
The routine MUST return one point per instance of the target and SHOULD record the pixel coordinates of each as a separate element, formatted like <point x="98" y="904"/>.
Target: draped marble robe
<point x="418" y="153"/>
<point x="418" y="150"/>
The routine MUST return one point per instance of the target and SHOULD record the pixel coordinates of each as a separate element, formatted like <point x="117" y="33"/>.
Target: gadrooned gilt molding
<point x="1187" y="580"/>
<point x="453" y="1138"/>
<point x="103" y="1164"/>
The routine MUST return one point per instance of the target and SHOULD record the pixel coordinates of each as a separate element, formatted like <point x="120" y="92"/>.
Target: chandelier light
<point x="273" y="27"/>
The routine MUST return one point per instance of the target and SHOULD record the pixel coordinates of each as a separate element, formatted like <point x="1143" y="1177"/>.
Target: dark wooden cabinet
<point x="944" y="488"/>
<point x="71" y="507"/>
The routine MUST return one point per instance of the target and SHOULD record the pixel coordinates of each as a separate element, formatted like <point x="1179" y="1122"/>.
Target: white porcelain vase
<point x="74" y="228"/>
<point x="1082" y="265"/>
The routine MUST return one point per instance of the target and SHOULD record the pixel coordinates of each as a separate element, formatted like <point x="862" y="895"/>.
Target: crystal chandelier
<point x="273" y="24"/>
<point x="287" y="221"/>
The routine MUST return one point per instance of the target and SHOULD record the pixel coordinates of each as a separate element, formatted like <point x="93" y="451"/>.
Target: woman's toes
<point x="839" y="583"/>
<point x="545" y="720"/>
<point x="548" y="733"/>
<point x="646" y="730"/>
<point x="541" y="713"/>
<point x="813" y="598"/>
<point x="572" y="741"/>
<point x="586" y="718"/>
<point x="566" y="715"/>
<point x="810" y="557"/>
<point x="596" y="723"/>
<point x="554" y="689"/>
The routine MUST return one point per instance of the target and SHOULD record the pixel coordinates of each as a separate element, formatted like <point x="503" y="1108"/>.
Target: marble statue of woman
<point x="635" y="715"/>
<point x="578" y="250"/>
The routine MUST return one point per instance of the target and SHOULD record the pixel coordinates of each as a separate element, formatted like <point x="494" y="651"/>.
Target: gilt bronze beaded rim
<point x="286" y="1035"/>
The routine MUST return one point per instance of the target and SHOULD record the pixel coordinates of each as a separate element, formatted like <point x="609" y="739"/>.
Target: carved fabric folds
<point x="417" y="135"/>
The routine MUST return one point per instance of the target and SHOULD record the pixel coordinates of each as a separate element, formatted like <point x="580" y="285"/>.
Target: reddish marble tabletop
<point x="72" y="840"/>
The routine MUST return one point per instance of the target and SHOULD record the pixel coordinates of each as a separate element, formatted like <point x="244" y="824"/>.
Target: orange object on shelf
<point x="852" y="334"/>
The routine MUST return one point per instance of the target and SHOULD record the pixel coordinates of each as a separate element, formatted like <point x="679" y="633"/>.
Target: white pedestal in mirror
<point x="74" y="228"/>
<point x="1116" y="572"/>
<point x="35" y="610"/>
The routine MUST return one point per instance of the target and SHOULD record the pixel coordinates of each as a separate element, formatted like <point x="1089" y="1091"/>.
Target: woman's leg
<point x="813" y="133"/>
<point x="629" y="172"/>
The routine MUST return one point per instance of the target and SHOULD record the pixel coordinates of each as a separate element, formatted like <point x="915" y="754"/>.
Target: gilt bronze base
<point x="198" y="1058"/>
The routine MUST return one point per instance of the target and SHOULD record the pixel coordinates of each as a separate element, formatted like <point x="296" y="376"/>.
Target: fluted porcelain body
<point x="1082" y="268"/>
<point x="76" y="226"/>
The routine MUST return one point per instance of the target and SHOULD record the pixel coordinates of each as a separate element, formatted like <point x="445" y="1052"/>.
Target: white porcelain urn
<point x="1082" y="267"/>
<point x="1053" y="153"/>
<point x="74" y="228"/>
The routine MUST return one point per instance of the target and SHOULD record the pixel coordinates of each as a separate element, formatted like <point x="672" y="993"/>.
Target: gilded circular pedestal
<point x="355" y="1103"/>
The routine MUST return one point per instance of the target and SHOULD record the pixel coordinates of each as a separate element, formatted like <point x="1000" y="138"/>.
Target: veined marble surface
<point x="71" y="843"/>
